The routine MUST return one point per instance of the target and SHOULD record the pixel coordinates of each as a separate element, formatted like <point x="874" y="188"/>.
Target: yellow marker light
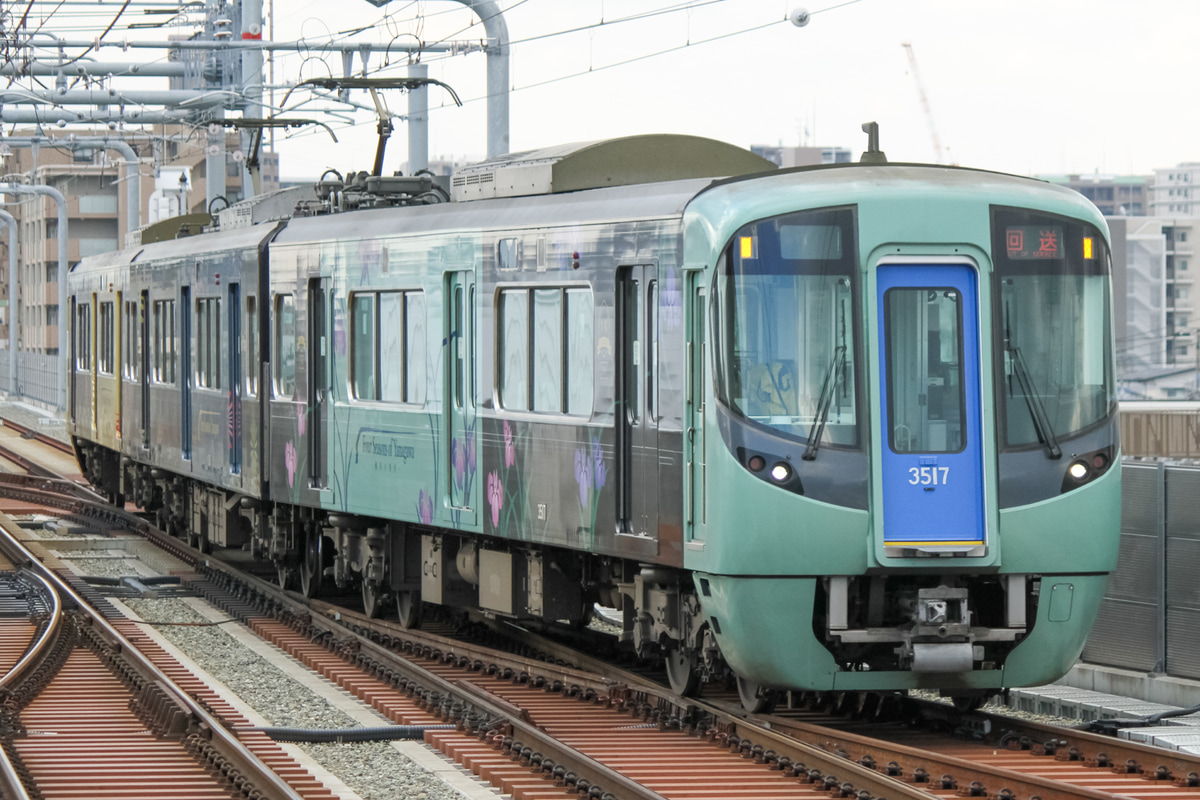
<point x="747" y="247"/>
<point x="1087" y="247"/>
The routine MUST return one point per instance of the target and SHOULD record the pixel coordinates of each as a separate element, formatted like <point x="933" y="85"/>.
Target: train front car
<point x="902" y="471"/>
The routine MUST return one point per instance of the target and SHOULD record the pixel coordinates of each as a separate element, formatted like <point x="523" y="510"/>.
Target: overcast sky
<point x="1025" y="86"/>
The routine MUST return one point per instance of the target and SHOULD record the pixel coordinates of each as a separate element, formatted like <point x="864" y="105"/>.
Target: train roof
<point x="876" y="176"/>
<point x="836" y="184"/>
<point x="621" y="203"/>
<point x="217" y="241"/>
<point x="626" y="161"/>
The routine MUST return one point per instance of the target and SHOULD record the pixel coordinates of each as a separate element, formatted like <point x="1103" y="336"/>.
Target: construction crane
<point x="938" y="153"/>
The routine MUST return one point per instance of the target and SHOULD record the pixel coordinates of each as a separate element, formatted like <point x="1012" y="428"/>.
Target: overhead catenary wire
<point x="642" y="57"/>
<point x="396" y="19"/>
<point x="624" y="62"/>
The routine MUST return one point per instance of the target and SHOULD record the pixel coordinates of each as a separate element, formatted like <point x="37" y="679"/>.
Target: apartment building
<point x="1155" y="295"/>
<point x="1114" y="195"/>
<point x="1177" y="191"/>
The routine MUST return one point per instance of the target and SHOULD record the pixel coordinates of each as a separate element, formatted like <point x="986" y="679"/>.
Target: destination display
<point x="1033" y="242"/>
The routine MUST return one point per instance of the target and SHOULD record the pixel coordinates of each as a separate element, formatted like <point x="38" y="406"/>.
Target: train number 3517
<point x="927" y="476"/>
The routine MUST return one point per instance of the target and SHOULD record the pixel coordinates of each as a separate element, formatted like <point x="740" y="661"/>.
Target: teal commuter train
<point x="849" y="427"/>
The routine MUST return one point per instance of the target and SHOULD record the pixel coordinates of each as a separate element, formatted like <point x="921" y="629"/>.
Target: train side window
<point x="208" y="342"/>
<point x="131" y="335"/>
<point x="164" y="341"/>
<point x="545" y="354"/>
<point x="285" y="346"/>
<point x="202" y="357"/>
<point x="390" y="347"/>
<point x="547" y="350"/>
<point x="579" y="351"/>
<point x="514" y="349"/>
<point x="362" y="345"/>
<point x="252" y="355"/>
<point x="387" y="346"/>
<point x="104" y="347"/>
<point x="83" y="337"/>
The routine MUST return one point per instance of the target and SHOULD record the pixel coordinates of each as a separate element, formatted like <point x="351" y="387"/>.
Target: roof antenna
<point x="873" y="154"/>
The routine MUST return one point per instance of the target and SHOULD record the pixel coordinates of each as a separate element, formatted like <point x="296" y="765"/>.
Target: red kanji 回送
<point x="1048" y="243"/>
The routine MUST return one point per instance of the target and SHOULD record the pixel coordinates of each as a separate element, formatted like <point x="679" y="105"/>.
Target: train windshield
<point x="1052" y="301"/>
<point x="787" y="304"/>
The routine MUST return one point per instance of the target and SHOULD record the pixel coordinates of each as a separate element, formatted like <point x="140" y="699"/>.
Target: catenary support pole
<point x="63" y="321"/>
<point x="418" y="121"/>
<point x="252" y="84"/>
<point x="497" y="73"/>
<point x="8" y="220"/>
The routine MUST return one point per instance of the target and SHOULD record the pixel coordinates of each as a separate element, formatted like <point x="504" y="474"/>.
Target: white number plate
<point x="928" y="476"/>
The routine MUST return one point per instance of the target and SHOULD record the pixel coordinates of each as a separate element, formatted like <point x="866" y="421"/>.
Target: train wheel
<point x="408" y="609"/>
<point x="285" y="574"/>
<point x="968" y="704"/>
<point x="755" y="698"/>
<point x="313" y="566"/>
<point x="375" y="599"/>
<point x="681" y="672"/>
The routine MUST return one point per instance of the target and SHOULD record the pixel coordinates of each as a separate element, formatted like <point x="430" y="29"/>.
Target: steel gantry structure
<point x="198" y="96"/>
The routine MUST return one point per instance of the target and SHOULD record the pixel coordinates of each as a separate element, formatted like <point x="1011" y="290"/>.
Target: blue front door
<point x="932" y="450"/>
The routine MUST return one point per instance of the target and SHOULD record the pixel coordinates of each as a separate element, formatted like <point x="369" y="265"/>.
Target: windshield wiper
<point x="823" y="403"/>
<point x="1041" y="423"/>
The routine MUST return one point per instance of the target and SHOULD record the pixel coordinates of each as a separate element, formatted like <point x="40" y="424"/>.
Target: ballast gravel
<point x="117" y="566"/>
<point x="997" y="707"/>
<point x="374" y="770"/>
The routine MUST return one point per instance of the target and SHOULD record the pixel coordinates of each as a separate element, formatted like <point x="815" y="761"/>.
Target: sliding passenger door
<point x="694" y="445"/>
<point x="84" y="379"/>
<point x="318" y="383"/>
<point x="143" y="324"/>
<point x="459" y="405"/>
<point x="187" y="378"/>
<point x="235" y="378"/>
<point x="637" y="387"/>
<point x="91" y="366"/>
<point x="932" y="451"/>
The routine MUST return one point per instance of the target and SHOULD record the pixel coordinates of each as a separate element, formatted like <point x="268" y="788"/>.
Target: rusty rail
<point x="190" y="714"/>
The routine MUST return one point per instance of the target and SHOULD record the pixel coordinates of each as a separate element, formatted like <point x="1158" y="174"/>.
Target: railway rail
<point x="549" y="720"/>
<point x="86" y="712"/>
<point x="35" y="452"/>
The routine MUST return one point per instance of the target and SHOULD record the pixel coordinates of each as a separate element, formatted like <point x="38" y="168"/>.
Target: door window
<point x="284" y="353"/>
<point x="924" y="352"/>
